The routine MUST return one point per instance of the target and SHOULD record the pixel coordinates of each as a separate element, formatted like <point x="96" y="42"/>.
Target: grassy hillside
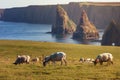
<point x="73" y="71"/>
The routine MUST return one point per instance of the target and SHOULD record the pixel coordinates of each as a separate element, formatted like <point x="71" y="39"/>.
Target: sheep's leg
<point x="53" y="63"/>
<point x="27" y="62"/>
<point x="65" y="62"/>
<point x="108" y="63"/>
<point x="61" y="61"/>
<point x="48" y="63"/>
<point x="112" y="62"/>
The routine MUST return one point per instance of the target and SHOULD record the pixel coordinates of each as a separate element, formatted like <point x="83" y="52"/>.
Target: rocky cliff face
<point x="30" y="14"/>
<point x="100" y="14"/>
<point x="111" y="35"/>
<point x="85" y="29"/>
<point x="63" y="24"/>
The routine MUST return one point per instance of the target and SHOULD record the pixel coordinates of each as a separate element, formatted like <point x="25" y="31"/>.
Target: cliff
<point x="85" y="29"/>
<point x="99" y="13"/>
<point x="30" y="14"/>
<point x="63" y="24"/>
<point x="111" y="35"/>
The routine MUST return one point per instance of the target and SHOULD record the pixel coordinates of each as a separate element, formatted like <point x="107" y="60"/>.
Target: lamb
<point x="36" y="59"/>
<point x="87" y="60"/>
<point x="22" y="59"/>
<point x="104" y="57"/>
<point x="58" y="56"/>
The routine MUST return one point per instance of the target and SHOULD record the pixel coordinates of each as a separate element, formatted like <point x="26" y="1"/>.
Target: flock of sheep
<point x="61" y="56"/>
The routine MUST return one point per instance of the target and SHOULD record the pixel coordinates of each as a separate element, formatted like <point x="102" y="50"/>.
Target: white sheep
<point x="58" y="56"/>
<point x="86" y="60"/>
<point x="104" y="57"/>
<point x="36" y="59"/>
<point x="89" y="60"/>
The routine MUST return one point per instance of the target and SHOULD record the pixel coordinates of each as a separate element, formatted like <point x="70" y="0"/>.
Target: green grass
<point x="73" y="71"/>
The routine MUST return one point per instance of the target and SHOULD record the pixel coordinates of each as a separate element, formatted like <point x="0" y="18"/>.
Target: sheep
<point x="22" y="59"/>
<point x="82" y="60"/>
<point x="36" y="59"/>
<point x="58" y="56"/>
<point x="104" y="57"/>
<point x="87" y="60"/>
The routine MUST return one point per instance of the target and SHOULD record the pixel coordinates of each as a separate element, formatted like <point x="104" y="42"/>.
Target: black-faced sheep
<point x="58" y="56"/>
<point x="22" y="59"/>
<point x="104" y="57"/>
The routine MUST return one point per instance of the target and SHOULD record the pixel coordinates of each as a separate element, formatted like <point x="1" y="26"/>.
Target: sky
<point x="22" y="3"/>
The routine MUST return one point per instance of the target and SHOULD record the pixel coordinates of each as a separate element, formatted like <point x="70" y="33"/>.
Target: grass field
<point x="73" y="71"/>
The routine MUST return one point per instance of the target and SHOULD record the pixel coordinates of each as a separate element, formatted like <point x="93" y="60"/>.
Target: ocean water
<point x="37" y="32"/>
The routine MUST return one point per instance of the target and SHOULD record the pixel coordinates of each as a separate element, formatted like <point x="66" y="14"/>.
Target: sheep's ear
<point x="18" y="56"/>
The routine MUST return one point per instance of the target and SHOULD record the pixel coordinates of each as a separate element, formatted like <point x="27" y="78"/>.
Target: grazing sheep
<point x="104" y="57"/>
<point x="36" y="59"/>
<point x="22" y="59"/>
<point x="58" y="56"/>
<point x="86" y="60"/>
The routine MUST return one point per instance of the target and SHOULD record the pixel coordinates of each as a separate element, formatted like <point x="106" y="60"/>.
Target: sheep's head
<point x="44" y="63"/>
<point x="18" y="56"/>
<point x="15" y="63"/>
<point x="18" y="60"/>
<point x="46" y="59"/>
<point x="81" y="59"/>
<point x="96" y="61"/>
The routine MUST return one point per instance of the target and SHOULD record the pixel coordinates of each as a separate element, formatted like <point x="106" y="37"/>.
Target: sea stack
<point x="63" y="24"/>
<point x="111" y="35"/>
<point x="85" y="29"/>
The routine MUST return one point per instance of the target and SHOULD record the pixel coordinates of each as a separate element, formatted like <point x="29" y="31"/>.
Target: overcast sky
<point x="21" y="3"/>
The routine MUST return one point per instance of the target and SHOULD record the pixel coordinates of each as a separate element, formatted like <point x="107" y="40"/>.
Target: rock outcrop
<point x="63" y="24"/>
<point x="85" y="29"/>
<point x="111" y="35"/>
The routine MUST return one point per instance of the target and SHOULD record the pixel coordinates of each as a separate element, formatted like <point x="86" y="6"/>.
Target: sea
<point x="39" y="32"/>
